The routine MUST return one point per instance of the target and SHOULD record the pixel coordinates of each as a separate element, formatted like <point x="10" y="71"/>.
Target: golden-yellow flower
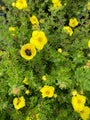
<point x="55" y="95"/>
<point x="13" y="34"/>
<point x="13" y="4"/>
<point x="38" y="39"/>
<point x="44" y="77"/>
<point x="69" y="30"/>
<point x="35" y="27"/>
<point x="89" y="43"/>
<point x="41" y="20"/>
<point x="78" y="102"/>
<point x="88" y="5"/>
<point x="3" y="8"/>
<point x="73" y="22"/>
<point x="47" y="91"/>
<point x="27" y="92"/>
<point x="58" y="4"/>
<point x="19" y="102"/>
<point x="65" y="4"/>
<point x="85" y="113"/>
<point x="25" y="81"/>
<point x="11" y="28"/>
<point x="74" y="92"/>
<point x="34" y="20"/>
<point x="20" y="4"/>
<point x="28" y="51"/>
<point x="60" y="50"/>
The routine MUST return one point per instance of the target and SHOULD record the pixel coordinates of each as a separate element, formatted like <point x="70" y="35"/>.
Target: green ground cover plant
<point x="45" y="60"/>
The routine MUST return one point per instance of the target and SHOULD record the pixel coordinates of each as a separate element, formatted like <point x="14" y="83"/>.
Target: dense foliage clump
<point x="45" y="60"/>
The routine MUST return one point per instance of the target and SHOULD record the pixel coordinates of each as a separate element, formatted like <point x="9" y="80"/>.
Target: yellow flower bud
<point x="13" y="4"/>
<point x="74" y="92"/>
<point x="44" y="77"/>
<point x="60" y="50"/>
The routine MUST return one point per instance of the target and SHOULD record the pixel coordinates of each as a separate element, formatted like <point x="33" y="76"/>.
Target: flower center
<point x="21" y="1"/>
<point x="27" y="52"/>
<point x="18" y="101"/>
<point x="82" y="111"/>
<point x="73" y="22"/>
<point x="40" y="39"/>
<point x="79" y="101"/>
<point x="47" y="92"/>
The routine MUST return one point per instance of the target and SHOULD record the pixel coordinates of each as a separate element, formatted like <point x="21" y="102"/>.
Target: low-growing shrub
<point x="44" y="60"/>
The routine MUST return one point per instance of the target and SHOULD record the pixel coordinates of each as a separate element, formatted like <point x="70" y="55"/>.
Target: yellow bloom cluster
<point x="78" y="102"/>
<point x="38" y="39"/>
<point x="56" y="3"/>
<point x="47" y="91"/>
<point x="20" y="4"/>
<point x="35" y="21"/>
<point x="19" y="102"/>
<point x="72" y="23"/>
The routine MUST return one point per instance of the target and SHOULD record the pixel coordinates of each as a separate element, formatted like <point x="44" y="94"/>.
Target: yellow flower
<point x="65" y="4"/>
<point x="19" y="102"/>
<point x="28" y="51"/>
<point x="13" y="4"/>
<point x="20" y="4"/>
<point x="35" y="26"/>
<point x="27" y="92"/>
<point x="56" y="5"/>
<point x="69" y="30"/>
<point x="3" y="8"/>
<point x="13" y="34"/>
<point x="44" y="77"/>
<point x="11" y="29"/>
<point x="38" y="39"/>
<point x="47" y="91"/>
<point x="88" y="5"/>
<point x="34" y="20"/>
<point x="85" y="113"/>
<point x="25" y="81"/>
<point x="60" y="50"/>
<point x="41" y="20"/>
<point x="78" y="102"/>
<point x="55" y="95"/>
<point x="74" y="92"/>
<point x="89" y="43"/>
<point x="55" y="1"/>
<point x="73" y="22"/>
